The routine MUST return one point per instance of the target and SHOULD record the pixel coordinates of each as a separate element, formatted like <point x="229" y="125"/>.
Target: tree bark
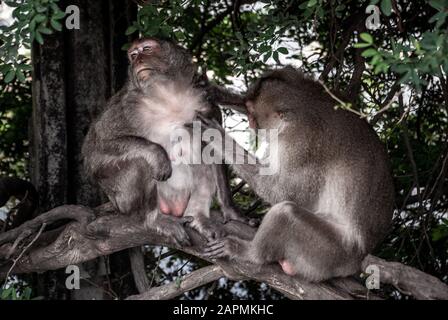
<point x="75" y="73"/>
<point x="115" y="232"/>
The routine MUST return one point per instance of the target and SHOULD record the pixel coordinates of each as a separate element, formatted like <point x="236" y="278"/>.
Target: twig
<point x="22" y="253"/>
<point x="344" y="105"/>
<point x="189" y="282"/>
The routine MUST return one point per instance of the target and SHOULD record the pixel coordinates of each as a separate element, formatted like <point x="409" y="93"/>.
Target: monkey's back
<point x="347" y="164"/>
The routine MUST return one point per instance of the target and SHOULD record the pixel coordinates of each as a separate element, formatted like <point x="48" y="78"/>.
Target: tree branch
<point x="189" y="282"/>
<point x="76" y="243"/>
<point x="409" y="280"/>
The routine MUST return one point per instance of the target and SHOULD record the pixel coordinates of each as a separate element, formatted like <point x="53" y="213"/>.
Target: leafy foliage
<point x="32" y="20"/>
<point x="395" y="76"/>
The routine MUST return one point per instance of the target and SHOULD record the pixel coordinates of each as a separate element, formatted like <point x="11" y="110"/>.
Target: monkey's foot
<point x="172" y="228"/>
<point x="207" y="228"/>
<point x="229" y="247"/>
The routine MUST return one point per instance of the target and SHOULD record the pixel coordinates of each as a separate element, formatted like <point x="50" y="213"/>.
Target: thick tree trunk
<point x="75" y="73"/>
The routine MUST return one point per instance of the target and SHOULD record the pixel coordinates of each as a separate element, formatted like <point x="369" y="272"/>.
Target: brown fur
<point x="332" y="196"/>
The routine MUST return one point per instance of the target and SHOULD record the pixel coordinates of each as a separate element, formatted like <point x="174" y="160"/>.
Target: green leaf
<point x="56" y="25"/>
<point x="4" y="68"/>
<point x="369" y="53"/>
<point x="27" y="293"/>
<point x="283" y="50"/>
<point x="361" y="45"/>
<point x="275" y="56"/>
<point x="39" y="38"/>
<point x="6" y="293"/>
<point x="386" y="7"/>
<point x="267" y="56"/>
<point x="312" y="3"/>
<point x="40" y="8"/>
<point x="178" y="282"/>
<point x="20" y="75"/>
<point x="439" y="5"/>
<point x="44" y="30"/>
<point x="264" y="48"/>
<point x="366" y="37"/>
<point x="131" y="30"/>
<point x="40" y="18"/>
<point x="58" y="15"/>
<point x="10" y="76"/>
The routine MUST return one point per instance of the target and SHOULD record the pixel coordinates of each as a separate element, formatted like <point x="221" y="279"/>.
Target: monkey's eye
<point x="133" y="55"/>
<point x="146" y="48"/>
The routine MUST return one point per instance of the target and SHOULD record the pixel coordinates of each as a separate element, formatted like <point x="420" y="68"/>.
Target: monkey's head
<point x="272" y="99"/>
<point x="262" y="105"/>
<point x="153" y="60"/>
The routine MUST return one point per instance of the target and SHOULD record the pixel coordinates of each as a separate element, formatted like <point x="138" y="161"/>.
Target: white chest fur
<point x="167" y="109"/>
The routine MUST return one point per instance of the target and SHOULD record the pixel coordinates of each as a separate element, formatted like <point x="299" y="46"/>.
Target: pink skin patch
<point x="164" y="207"/>
<point x="287" y="267"/>
<point x="174" y="208"/>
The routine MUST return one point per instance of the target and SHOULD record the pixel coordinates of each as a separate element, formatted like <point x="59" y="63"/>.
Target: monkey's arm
<point x="225" y="97"/>
<point x="247" y="166"/>
<point x="134" y="147"/>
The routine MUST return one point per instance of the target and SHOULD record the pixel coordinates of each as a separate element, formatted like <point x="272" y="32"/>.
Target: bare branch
<point x="189" y="282"/>
<point x="408" y="280"/>
<point x="73" y="245"/>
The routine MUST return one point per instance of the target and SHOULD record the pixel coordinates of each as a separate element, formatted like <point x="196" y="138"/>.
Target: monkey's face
<point x="152" y="60"/>
<point x="145" y="57"/>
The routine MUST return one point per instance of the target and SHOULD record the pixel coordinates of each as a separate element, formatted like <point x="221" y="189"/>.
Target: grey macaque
<point x="332" y="194"/>
<point x="130" y="153"/>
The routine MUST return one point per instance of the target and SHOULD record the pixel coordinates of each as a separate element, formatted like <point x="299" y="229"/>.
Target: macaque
<point x="332" y="195"/>
<point x="130" y="150"/>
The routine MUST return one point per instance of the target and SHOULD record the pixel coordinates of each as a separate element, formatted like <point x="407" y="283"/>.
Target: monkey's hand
<point x="209" y="229"/>
<point x="170" y="227"/>
<point x="160" y="163"/>
<point x="229" y="247"/>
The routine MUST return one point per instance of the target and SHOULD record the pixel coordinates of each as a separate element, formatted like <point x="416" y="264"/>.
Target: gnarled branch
<point x="82" y="240"/>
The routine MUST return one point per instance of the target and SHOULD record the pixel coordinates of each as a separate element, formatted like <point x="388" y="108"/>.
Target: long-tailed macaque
<point x="332" y="194"/>
<point x="129" y="151"/>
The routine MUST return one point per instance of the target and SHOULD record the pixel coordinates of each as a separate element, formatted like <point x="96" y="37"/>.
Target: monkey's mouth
<point x="144" y="72"/>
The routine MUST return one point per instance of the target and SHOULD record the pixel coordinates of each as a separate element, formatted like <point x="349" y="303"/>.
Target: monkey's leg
<point x="301" y="242"/>
<point x="131" y="188"/>
<point x="200" y="201"/>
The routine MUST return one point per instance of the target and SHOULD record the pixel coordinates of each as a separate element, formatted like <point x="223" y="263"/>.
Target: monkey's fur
<point x="127" y="148"/>
<point x="332" y="196"/>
